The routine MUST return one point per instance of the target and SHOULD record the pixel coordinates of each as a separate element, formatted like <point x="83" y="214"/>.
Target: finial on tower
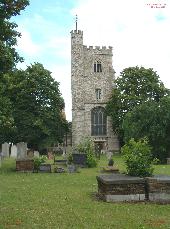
<point x="76" y="21"/>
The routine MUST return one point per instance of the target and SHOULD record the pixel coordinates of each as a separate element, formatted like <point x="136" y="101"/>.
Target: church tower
<point x="92" y="78"/>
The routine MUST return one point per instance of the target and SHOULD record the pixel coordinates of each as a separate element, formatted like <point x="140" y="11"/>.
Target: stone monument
<point x="14" y="151"/>
<point x="5" y="149"/>
<point x="21" y="150"/>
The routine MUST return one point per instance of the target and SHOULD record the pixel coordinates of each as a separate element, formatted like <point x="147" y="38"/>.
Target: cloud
<point x="139" y="34"/>
<point x="62" y="75"/>
<point x="26" y="44"/>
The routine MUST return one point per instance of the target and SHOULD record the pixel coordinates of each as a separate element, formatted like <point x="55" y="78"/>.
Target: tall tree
<point x="37" y="107"/>
<point x="151" y="120"/>
<point x="134" y="86"/>
<point x="8" y="59"/>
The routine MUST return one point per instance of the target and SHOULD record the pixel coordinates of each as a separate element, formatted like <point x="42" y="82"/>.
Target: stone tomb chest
<point x="158" y="188"/>
<point x="119" y="187"/>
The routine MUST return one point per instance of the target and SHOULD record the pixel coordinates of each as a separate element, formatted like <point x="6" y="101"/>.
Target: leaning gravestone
<point x="5" y="149"/>
<point x="21" y="150"/>
<point x="14" y="151"/>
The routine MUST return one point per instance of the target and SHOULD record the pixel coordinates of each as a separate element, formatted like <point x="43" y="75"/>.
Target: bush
<point x="38" y="161"/>
<point x="138" y="158"/>
<point x="87" y="146"/>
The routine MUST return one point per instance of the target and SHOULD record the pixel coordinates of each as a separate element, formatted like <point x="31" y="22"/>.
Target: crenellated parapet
<point x="97" y="49"/>
<point x="76" y="32"/>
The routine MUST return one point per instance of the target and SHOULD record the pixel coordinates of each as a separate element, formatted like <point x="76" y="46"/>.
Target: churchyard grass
<point x="50" y="200"/>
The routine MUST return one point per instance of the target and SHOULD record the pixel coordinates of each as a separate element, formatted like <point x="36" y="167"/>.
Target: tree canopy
<point x="30" y="100"/>
<point x="151" y="120"/>
<point x="135" y="86"/>
<point x="36" y="107"/>
<point x="8" y="58"/>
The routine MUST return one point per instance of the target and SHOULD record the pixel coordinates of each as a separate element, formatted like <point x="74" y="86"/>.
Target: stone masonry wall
<point x="84" y="82"/>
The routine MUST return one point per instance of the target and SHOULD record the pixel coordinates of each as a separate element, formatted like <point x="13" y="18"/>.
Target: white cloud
<point x="26" y="44"/>
<point x="62" y="75"/>
<point x="138" y="33"/>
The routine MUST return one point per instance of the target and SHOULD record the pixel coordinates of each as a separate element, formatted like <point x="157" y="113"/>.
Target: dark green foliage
<point x="8" y="35"/>
<point x="134" y="86"/>
<point x="87" y="146"/>
<point x="38" y="161"/>
<point x="8" y="60"/>
<point x="138" y="158"/>
<point x="151" y="119"/>
<point x="37" y="107"/>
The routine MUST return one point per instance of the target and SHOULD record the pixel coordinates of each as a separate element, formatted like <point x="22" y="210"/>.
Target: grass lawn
<point x="36" y="200"/>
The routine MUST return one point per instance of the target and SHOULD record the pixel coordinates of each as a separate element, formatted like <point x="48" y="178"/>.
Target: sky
<point x="138" y="30"/>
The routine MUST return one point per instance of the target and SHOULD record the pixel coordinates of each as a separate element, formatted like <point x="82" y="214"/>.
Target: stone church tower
<point x="92" y="78"/>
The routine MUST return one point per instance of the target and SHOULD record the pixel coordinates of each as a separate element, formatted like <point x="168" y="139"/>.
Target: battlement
<point x="75" y="32"/>
<point x="102" y="49"/>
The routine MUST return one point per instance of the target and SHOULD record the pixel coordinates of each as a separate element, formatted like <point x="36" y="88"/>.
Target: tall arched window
<point x="98" y="122"/>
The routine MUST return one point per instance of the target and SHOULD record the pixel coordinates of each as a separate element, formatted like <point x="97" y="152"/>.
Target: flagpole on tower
<point x="76" y="21"/>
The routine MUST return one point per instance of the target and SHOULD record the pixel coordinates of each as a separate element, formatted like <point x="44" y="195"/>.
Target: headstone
<point x="109" y="155"/>
<point x="21" y="150"/>
<point x="168" y="161"/>
<point x="14" y="151"/>
<point x="36" y="154"/>
<point x="80" y="159"/>
<point x="46" y="168"/>
<point x="5" y="149"/>
<point x="50" y="156"/>
<point x="30" y="154"/>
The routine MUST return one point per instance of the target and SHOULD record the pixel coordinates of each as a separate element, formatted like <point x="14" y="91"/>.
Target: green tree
<point x="37" y="107"/>
<point x="8" y="60"/>
<point x="8" y="36"/>
<point x="150" y="119"/>
<point x="134" y="86"/>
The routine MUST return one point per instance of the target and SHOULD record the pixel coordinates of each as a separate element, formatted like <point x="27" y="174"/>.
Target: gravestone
<point x="5" y="149"/>
<point x="109" y="155"/>
<point x="80" y="159"/>
<point x="14" y="151"/>
<point x="21" y="150"/>
<point x="45" y="168"/>
<point x="30" y="154"/>
<point x="36" y="154"/>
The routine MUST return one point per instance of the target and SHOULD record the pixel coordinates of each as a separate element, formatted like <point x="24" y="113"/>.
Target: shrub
<point x="38" y="161"/>
<point x="138" y="158"/>
<point x="87" y="146"/>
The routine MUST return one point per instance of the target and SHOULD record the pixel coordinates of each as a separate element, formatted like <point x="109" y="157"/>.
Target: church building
<point x="92" y="79"/>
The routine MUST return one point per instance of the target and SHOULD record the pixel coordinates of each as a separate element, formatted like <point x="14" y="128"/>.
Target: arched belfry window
<point x="97" y="66"/>
<point x="98" y="121"/>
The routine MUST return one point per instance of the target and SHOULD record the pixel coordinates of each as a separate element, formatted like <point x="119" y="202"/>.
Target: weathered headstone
<point x="30" y="154"/>
<point x="21" y="150"/>
<point x="46" y="168"/>
<point x="14" y="151"/>
<point x="36" y="154"/>
<point x="5" y="149"/>
<point x="109" y="155"/>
